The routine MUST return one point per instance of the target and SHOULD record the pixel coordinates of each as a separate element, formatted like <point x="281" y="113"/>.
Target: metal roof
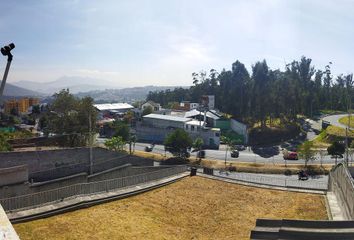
<point x="167" y="117"/>
<point x="113" y="106"/>
<point x="211" y="114"/>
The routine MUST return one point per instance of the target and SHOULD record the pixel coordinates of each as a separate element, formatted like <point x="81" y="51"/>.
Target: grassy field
<point x="345" y="121"/>
<point x="338" y="131"/>
<point x="193" y="208"/>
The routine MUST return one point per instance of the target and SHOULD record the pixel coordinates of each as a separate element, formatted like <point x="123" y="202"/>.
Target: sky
<point x="159" y="42"/>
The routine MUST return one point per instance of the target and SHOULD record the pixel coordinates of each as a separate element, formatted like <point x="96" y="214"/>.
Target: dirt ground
<point x="193" y="208"/>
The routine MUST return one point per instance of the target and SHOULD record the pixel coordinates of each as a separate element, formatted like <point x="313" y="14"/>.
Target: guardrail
<point x="274" y="181"/>
<point x="59" y="194"/>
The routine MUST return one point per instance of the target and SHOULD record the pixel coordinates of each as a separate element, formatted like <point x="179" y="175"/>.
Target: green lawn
<point x="345" y="120"/>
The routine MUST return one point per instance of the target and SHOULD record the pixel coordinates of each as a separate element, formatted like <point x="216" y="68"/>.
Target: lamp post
<point x="6" y="51"/>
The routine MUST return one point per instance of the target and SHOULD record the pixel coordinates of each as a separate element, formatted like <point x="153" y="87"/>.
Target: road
<point x="334" y="120"/>
<point x="265" y="155"/>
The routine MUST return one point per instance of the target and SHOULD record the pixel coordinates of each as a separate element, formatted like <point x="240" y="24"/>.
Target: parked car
<point x="290" y="155"/>
<point x="303" y="175"/>
<point x="201" y="154"/>
<point x="149" y="148"/>
<point x="235" y="153"/>
<point x="240" y="147"/>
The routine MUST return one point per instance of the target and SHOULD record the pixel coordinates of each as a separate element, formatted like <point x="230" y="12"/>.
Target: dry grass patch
<point x="193" y="208"/>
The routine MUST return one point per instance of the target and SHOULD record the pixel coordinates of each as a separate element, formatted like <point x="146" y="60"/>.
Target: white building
<point x="155" y="127"/>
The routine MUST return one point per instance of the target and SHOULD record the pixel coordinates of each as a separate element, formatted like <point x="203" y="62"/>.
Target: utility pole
<point x="349" y="107"/>
<point x="90" y="142"/>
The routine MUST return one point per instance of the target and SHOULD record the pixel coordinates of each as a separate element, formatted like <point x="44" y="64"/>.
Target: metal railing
<point x="275" y="181"/>
<point x="59" y="194"/>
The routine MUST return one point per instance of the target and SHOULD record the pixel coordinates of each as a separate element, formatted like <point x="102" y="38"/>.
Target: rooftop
<point x="167" y="117"/>
<point x="211" y="114"/>
<point x="113" y="106"/>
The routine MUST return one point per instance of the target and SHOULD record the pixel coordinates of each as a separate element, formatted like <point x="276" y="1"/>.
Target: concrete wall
<point x="13" y="175"/>
<point x="51" y="164"/>
<point x="341" y="184"/>
<point x="121" y="171"/>
<point x="57" y="183"/>
<point x="239" y="128"/>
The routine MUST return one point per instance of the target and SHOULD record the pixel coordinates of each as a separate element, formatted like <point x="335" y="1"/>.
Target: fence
<point x="341" y="184"/>
<point x="274" y="181"/>
<point x="36" y="199"/>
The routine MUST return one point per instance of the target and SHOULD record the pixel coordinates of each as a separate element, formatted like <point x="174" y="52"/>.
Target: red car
<point x="291" y="156"/>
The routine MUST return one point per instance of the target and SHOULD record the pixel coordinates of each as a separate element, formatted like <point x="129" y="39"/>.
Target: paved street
<point x="334" y="120"/>
<point x="266" y="155"/>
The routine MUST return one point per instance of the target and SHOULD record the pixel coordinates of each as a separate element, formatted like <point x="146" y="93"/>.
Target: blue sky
<point x="159" y="42"/>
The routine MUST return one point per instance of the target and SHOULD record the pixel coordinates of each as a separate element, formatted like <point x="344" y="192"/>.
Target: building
<point x="209" y="117"/>
<point x="156" y="127"/>
<point x="208" y="101"/>
<point x="186" y="106"/>
<point x="154" y="106"/>
<point x="112" y="109"/>
<point x="21" y="106"/>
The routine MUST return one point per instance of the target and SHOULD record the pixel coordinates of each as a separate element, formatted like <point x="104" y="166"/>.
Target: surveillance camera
<point x="7" y="49"/>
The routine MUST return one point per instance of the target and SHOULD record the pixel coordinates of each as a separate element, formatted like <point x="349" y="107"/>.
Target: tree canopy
<point x="71" y="116"/>
<point x="265" y="93"/>
<point x="178" y="142"/>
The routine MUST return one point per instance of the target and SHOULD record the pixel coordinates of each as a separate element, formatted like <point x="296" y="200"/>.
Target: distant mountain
<point x="124" y="94"/>
<point x="74" y="83"/>
<point x="14" y="91"/>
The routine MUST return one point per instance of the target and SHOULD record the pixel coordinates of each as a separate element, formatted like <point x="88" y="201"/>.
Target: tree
<point x="4" y="145"/>
<point x="115" y="144"/>
<point x="121" y="129"/>
<point x="147" y="110"/>
<point x="132" y="141"/>
<point x="305" y="152"/>
<point x="178" y="143"/>
<point x="197" y="144"/>
<point x="229" y="145"/>
<point x="75" y="118"/>
<point x="336" y="150"/>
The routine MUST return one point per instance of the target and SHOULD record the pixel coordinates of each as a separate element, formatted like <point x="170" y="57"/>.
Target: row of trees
<point x="265" y="93"/>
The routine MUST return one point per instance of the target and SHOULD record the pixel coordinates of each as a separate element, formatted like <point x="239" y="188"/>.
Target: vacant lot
<point x="193" y="208"/>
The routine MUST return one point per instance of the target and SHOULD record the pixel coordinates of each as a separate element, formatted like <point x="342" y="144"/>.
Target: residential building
<point x="186" y="106"/>
<point x="20" y="105"/>
<point x="154" y="106"/>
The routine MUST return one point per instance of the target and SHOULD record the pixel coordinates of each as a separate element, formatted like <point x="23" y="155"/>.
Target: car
<point x="201" y="154"/>
<point x="240" y="147"/>
<point x="149" y="148"/>
<point x="303" y="175"/>
<point x="290" y="155"/>
<point x="235" y="153"/>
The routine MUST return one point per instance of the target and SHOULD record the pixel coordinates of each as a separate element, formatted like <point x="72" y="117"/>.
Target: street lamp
<point x="6" y="51"/>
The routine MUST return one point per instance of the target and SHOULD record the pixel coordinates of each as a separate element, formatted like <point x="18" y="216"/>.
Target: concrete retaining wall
<point x="341" y="184"/>
<point x="13" y="175"/>
<point x="239" y="128"/>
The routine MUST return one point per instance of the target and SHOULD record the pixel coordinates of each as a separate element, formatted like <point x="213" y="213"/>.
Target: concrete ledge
<point x="7" y="232"/>
<point x="79" y="202"/>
